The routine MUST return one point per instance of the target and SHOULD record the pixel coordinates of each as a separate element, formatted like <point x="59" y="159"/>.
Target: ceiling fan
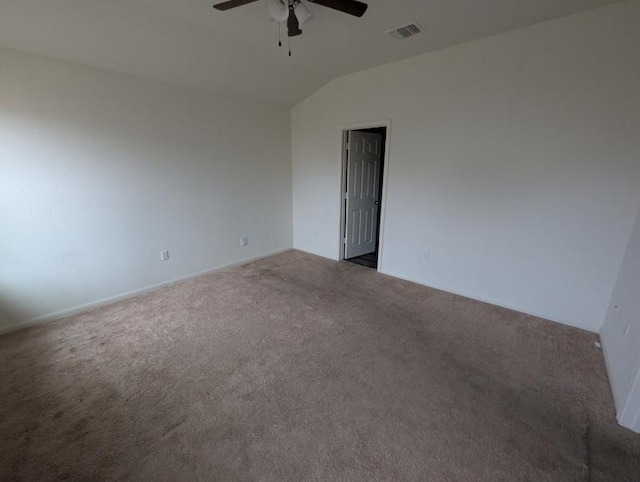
<point x="295" y="12"/>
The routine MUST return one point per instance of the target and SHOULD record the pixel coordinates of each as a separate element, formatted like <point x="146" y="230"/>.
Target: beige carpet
<point x="299" y="368"/>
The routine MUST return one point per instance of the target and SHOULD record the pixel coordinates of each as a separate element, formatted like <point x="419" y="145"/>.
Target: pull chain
<point x="279" y="34"/>
<point x="289" y="46"/>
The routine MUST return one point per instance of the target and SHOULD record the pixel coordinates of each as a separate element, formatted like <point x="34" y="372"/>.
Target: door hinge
<point x="346" y="196"/>
<point x="347" y="145"/>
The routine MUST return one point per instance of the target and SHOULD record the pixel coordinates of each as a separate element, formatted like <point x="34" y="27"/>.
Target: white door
<point x="363" y="199"/>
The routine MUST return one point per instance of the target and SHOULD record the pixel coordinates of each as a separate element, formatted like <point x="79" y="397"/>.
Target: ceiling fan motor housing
<point x="296" y="12"/>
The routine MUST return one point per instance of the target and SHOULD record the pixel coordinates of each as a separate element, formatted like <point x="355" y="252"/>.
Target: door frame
<point x="345" y="128"/>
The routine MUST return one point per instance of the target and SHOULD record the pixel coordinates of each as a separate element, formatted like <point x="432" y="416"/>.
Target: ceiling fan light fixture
<point x="303" y="12"/>
<point x="279" y="10"/>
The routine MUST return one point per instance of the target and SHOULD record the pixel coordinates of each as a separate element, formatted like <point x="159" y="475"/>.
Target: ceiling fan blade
<point x="232" y="4"/>
<point x="352" y="7"/>
<point x="292" y="24"/>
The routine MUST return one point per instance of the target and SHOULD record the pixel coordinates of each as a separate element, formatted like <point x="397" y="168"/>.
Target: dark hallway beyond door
<point x="369" y="260"/>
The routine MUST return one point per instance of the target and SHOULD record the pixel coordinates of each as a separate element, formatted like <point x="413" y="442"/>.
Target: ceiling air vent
<point x="405" y="31"/>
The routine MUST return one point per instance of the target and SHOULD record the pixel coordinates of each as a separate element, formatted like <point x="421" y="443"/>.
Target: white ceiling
<point x="235" y="53"/>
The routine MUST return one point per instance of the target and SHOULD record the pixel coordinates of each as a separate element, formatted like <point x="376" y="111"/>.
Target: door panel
<point x="363" y="181"/>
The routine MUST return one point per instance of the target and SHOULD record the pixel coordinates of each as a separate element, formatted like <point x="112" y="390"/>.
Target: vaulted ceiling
<point x="235" y="53"/>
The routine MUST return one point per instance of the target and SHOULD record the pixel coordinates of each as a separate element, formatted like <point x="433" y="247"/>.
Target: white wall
<point x="621" y="336"/>
<point x="99" y="172"/>
<point x="513" y="159"/>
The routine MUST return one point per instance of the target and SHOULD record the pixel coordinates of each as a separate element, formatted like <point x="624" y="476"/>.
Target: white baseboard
<point x="629" y="416"/>
<point x="493" y="302"/>
<point x="74" y="310"/>
<point x="608" y="365"/>
<point x="471" y="297"/>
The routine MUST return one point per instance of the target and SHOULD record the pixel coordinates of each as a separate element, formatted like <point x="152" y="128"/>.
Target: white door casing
<point x="363" y="196"/>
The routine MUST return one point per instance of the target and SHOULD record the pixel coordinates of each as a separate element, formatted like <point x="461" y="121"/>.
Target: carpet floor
<point x="297" y="368"/>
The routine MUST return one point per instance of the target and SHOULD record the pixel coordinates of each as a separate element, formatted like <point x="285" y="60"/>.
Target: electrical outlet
<point x="244" y="241"/>
<point x="164" y="255"/>
<point x="427" y="255"/>
<point x="627" y="330"/>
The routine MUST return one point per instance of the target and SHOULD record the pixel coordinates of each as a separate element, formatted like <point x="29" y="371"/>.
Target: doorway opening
<point x="362" y="189"/>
